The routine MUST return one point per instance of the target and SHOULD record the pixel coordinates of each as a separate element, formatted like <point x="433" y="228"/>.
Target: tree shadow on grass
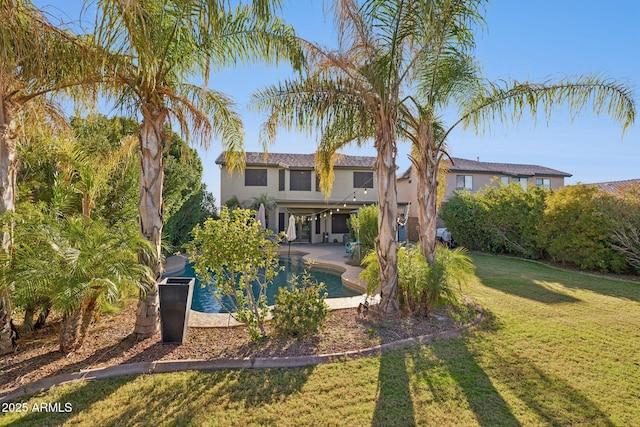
<point x="394" y="405"/>
<point x="551" y="398"/>
<point x="68" y="405"/>
<point x="534" y="272"/>
<point x="258" y="387"/>
<point x="488" y="406"/>
<point x="530" y="289"/>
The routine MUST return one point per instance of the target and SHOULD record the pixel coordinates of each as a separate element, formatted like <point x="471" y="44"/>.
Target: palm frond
<point x="510" y="101"/>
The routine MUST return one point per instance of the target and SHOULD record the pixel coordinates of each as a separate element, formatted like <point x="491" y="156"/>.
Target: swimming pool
<point x="204" y="301"/>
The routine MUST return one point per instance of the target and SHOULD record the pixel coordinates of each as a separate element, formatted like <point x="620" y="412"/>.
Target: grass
<point x="556" y="348"/>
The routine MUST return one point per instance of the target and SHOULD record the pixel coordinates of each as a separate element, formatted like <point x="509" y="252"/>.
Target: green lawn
<point x="556" y="348"/>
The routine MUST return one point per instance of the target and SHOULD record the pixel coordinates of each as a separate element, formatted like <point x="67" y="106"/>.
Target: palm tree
<point x="155" y="47"/>
<point x="359" y="92"/>
<point x="399" y="66"/>
<point x="36" y="60"/>
<point x="79" y="261"/>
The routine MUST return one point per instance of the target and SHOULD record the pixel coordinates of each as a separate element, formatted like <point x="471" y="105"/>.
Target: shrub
<point x="240" y="258"/>
<point x="503" y="219"/>
<point x="578" y="227"/>
<point x="363" y="227"/>
<point x="300" y="308"/>
<point x="464" y="216"/>
<point x="422" y="287"/>
<point x="626" y="238"/>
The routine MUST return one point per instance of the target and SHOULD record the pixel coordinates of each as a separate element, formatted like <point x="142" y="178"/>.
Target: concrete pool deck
<point x="325" y="254"/>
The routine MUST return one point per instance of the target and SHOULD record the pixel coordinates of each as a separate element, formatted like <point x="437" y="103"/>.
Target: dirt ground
<point x="110" y="342"/>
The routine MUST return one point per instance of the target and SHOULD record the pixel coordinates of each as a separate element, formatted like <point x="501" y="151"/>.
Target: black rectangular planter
<point x="175" y="302"/>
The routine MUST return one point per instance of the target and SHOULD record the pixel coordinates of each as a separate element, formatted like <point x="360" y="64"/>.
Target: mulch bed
<point x="110" y="342"/>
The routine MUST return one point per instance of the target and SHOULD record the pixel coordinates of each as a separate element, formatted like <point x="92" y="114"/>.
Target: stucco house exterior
<point x="473" y="175"/>
<point x="291" y="181"/>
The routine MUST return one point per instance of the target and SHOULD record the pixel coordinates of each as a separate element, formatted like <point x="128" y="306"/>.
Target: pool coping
<point x="323" y="254"/>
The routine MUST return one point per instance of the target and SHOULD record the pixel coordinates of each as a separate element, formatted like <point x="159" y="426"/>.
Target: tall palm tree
<point x="358" y="92"/>
<point x="37" y="59"/>
<point x="399" y="65"/>
<point x="155" y="47"/>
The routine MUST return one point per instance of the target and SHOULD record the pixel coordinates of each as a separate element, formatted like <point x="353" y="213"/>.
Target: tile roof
<point x="460" y="165"/>
<point x="289" y="160"/>
<point x="511" y="169"/>
<point x="615" y="187"/>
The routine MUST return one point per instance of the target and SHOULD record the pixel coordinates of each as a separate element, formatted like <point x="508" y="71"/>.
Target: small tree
<point x="626" y="236"/>
<point x="363" y="227"/>
<point x="239" y="257"/>
<point x="78" y="262"/>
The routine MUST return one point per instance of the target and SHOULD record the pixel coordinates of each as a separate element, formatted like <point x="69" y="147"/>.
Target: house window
<point x="281" y="222"/>
<point x="504" y="180"/>
<point x="522" y="181"/>
<point x="339" y="223"/>
<point x="281" y="180"/>
<point x="543" y="182"/>
<point x="363" y="180"/>
<point x="300" y="180"/>
<point x="317" y="182"/>
<point x="255" y="177"/>
<point x="464" y="182"/>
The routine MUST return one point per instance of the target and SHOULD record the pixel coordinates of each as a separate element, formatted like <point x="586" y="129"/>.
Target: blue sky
<point x="524" y="40"/>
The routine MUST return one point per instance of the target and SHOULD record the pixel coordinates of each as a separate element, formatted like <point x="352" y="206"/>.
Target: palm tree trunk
<point x="69" y="331"/>
<point x="8" y="177"/>
<point x="385" y="243"/>
<point x="152" y="140"/>
<point x="75" y="326"/>
<point x="427" y="210"/>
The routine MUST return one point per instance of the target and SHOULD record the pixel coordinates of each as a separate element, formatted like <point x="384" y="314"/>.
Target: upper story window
<point x="281" y="180"/>
<point x="363" y="180"/>
<point x="300" y="180"/>
<point x="504" y="180"/>
<point x="543" y="182"/>
<point x="522" y="181"/>
<point x="464" y="182"/>
<point x="255" y="177"/>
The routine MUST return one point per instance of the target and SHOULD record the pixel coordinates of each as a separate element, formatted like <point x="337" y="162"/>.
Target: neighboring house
<point x="473" y="175"/>
<point x="291" y="180"/>
<point x="617" y="187"/>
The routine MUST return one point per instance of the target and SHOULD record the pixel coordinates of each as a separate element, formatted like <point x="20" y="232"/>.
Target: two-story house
<point x="291" y="181"/>
<point x="473" y="175"/>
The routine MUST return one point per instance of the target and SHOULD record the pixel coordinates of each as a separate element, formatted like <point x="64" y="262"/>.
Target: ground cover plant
<point x="556" y="348"/>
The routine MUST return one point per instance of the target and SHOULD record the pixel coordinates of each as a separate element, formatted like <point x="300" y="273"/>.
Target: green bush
<point x="500" y="220"/>
<point x="363" y="227"/>
<point x="236" y="254"/>
<point x="300" y="308"/>
<point x="463" y="215"/>
<point x="422" y="287"/>
<point x="578" y="228"/>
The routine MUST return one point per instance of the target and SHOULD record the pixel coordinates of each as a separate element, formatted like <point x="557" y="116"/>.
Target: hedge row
<point x="579" y="225"/>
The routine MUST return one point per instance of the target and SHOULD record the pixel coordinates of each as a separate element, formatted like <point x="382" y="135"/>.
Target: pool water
<point x="204" y="300"/>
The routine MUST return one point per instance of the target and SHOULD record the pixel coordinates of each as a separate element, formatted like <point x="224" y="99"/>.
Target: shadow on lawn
<point x="488" y="406"/>
<point x="68" y="405"/>
<point x="394" y="405"/>
<point x="551" y="398"/>
<point x="523" y="277"/>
